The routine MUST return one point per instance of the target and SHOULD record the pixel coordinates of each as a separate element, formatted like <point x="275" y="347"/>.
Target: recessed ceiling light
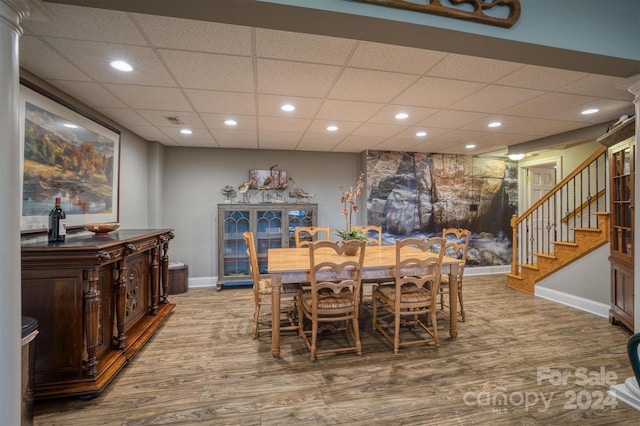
<point x="516" y="157"/>
<point x="589" y="111"/>
<point x="470" y="146"/>
<point x="230" y="122"/>
<point x="332" y="128"/>
<point x="69" y="125"/>
<point x="121" y="66"/>
<point x="288" y="107"/>
<point x="402" y="115"/>
<point x="421" y="134"/>
<point x="186" y="131"/>
<point x="494" y="124"/>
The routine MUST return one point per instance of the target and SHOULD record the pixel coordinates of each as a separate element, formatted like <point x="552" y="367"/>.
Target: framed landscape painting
<point x="66" y="155"/>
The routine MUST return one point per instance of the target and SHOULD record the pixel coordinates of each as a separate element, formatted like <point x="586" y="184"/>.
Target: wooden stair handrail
<point x="601" y="150"/>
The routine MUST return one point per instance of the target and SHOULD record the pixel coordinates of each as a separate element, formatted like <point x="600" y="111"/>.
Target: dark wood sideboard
<point x="98" y="300"/>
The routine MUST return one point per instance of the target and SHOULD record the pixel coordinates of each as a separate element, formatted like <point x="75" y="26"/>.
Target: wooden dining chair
<point x="304" y="235"/>
<point x="456" y="246"/>
<point x="333" y="295"/>
<point x="262" y="295"/>
<point x="413" y="296"/>
<point x="372" y="232"/>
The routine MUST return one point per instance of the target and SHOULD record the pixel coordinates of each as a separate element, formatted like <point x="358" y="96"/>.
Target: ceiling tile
<point x="295" y="78"/>
<point x="236" y="138"/>
<point x="375" y="129"/>
<point x="319" y="142"/>
<point x="609" y="110"/>
<point x="125" y="116"/>
<point x="199" y="137"/>
<point x="370" y="86"/>
<point x="159" y="118"/>
<point x="305" y="107"/>
<point x="222" y="102"/>
<point x="508" y="122"/>
<point x="548" y="105"/>
<point x="598" y="85"/>
<point x="386" y="57"/>
<point x="539" y="127"/>
<point x="348" y="110"/>
<point x="299" y="47"/>
<point x="319" y="127"/>
<point x="358" y="143"/>
<point x="416" y="114"/>
<point x="82" y="23"/>
<point x="216" y="121"/>
<point x="283" y="123"/>
<point x="462" y="67"/>
<point x="91" y="94"/>
<point x="94" y="58"/>
<point x="45" y="62"/>
<point x="210" y="71"/>
<point x="278" y="139"/>
<point x="451" y="119"/>
<point x="151" y="133"/>
<point x="495" y="99"/>
<point x="195" y="36"/>
<point x="146" y="97"/>
<point x="437" y="92"/>
<point x="540" y="78"/>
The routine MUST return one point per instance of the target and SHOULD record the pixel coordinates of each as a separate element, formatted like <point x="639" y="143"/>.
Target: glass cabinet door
<point x="269" y="234"/>
<point x="297" y="218"/>
<point x="621" y="201"/>
<point x="234" y="254"/>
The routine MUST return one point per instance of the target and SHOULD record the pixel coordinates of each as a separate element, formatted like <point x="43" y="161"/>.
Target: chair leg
<point x="314" y="340"/>
<point x="396" y="334"/>
<point x="256" y="316"/>
<point x="356" y="333"/>
<point x="434" y="322"/>
<point x="464" y="317"/>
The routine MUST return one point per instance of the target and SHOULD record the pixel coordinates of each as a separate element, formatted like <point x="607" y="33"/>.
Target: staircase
<point x="564" y="225"/>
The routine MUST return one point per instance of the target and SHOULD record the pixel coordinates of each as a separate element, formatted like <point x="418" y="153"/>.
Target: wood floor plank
<point x="203" y="367"/>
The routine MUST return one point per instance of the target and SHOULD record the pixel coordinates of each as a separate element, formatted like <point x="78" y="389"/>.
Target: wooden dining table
<point x="291" y="265"/>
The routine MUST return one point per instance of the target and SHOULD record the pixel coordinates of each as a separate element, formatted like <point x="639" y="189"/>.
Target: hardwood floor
<point x="506" y="367"/>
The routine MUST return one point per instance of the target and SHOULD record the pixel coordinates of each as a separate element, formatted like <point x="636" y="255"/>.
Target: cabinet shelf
<point x="273" y="225"/>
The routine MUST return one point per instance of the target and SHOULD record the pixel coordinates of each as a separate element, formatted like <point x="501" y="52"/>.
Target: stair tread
<point x="529" y="266"/>
<point x="546" y="256"/>
<point x="565" y="243"/>
<point x="587" y="229"/>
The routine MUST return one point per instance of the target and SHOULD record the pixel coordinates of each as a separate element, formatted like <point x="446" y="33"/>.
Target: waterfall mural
<point x="419" y="194"/>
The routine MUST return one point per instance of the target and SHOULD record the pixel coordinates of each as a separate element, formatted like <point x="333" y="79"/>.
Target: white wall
<point x="193" y="178"/>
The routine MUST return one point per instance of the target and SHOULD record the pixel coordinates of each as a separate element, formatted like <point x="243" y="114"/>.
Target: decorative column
<point x="11" y="13"/>
<point x="629" y="391"/>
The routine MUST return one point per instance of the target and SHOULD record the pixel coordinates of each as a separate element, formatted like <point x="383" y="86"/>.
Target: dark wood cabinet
<point x="622" y="160"/>
<point x="273" y="225"/>
<point x="97" y="299"/>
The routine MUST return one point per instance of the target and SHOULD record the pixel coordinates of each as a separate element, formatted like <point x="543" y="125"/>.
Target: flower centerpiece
<point x="349" y="200"/>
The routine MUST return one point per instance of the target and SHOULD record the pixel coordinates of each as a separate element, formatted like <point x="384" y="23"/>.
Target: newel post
<point x="514" y="245"/>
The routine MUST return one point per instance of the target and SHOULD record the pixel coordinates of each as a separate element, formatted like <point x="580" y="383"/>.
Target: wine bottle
<point x="57" y="223"/>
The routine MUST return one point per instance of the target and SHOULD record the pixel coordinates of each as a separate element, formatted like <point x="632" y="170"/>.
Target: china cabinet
<point x="98" y="300"/>
<point x="622" y="157"/>
<point x="273" y="225"/>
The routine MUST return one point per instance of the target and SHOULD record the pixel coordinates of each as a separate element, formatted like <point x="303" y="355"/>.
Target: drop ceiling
<point x="197" y="74"/>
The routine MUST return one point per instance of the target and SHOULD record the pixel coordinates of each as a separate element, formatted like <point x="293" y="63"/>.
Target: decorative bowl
<point x="101" y="228"/>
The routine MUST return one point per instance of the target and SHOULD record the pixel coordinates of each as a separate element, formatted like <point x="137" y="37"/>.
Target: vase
<point x="351" y="251"/>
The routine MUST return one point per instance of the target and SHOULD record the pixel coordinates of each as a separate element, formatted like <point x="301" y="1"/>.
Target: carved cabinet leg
<point x="155" y="280"/>
<point x="91" y="318"/>
<point x="120" y="302"/>
<point x="164" y="267"/>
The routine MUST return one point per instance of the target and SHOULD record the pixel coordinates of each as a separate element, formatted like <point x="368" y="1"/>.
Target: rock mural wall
<point x="411" y="194"/>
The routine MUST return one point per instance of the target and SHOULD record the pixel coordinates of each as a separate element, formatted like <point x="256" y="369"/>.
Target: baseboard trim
<point x="577" y="302"/>
<point x="201" y="282"/>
